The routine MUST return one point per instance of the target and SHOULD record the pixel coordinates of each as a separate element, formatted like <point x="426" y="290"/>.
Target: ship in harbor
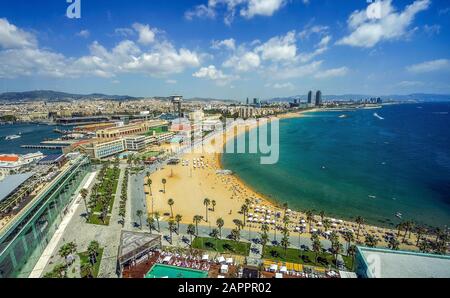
<point x="12" y="137"/>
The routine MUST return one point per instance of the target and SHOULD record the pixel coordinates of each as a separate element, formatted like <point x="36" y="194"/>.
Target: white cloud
<point x="124" y="32"/>
<point x="226" y="43"/>
<point x="22" y="56"/>
<point x="243" y="63"/>
<point x="295" y="71"/>
<point x="381" y="22"/>
<point x="146" y="34"/>
<point x="430" y="66"/>
<point x="84" y="33"/>
<point x="279" y="48"/>
<point x="12" y="37"/>
<point x="246" y="8"/>
<point x="331" y="73"/>
<point x="214" y="74"/>
<point x="262" y="7"/>
<point x="432" y="29"/>
<point x="287" y="85"/>
<point x="170" y="81"/>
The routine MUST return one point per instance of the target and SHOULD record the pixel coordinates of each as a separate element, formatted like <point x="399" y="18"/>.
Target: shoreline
<point x="188" y="190"/>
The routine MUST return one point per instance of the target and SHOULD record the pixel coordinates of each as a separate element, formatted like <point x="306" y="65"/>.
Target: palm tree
<point x="360" y="221"/>
<point x="191" y="231"/>
<point x="400" y="228"/>
<point x="238" y="223"/>
<point x="309" y="218"/>
<point x="214" y="203"/>
<point x="87" y="270"/>
<point x="349" y="237"/>
<point x="206" y="202"/>
<point x="264" y="237"/>
<point x="351" y="252"/>
<point x="149" y="182"/>
<point x="139" y="214"/>
<point x="408" y="227"/>
<point x="336" y="246"/>
<point x="151" y="223"/>
<point x="196" y="220"/>
<point x="326" y="224"/>
<point x="371" y="241"/>
<point x="424" y="246"/>
<point x="420" y="231"/>
<point x="170" y="202"/>
<point x="244" y="210"/>
<point x="393" y="243"/>
<point x="84" y="194"/>
<point x="171" y="224"/>
<point x="285" y="241"/>
<point x="164" y="181"/>
<point x="220" y="222"/>
<point x="93" y="250"/>
<point x="66" y="250"/>
<point x="157" y="216"/>
<point x="215" y="234"/>
<point x="178" y="219"/>
<point x="316" y="245"/>
<point x="322" y="215"/>
<point x="235" y="235"/>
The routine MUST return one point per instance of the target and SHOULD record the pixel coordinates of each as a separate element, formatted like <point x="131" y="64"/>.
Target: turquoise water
<point x="160" y="271"/>
<point x="360" y="165"/>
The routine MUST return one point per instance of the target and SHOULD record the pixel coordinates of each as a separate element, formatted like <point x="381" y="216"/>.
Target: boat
<point x="372" y="196"/>
<point x="343" y="116"/>
<point x="378" y="116"/>
<point x="12" y="137"/>
<point x="398" y="215"/>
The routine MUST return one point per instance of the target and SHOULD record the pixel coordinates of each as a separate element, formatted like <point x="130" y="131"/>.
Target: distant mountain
<point x="49" y="95"/>
<point x="207" y="99"/>
<point x="421" y="97"/>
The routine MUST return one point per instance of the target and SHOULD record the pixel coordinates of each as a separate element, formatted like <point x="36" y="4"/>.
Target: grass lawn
<point x="150" y="154"/>
<point x="222" y="246"/>
<point x="293" y="255"/>
<point x="95" y="220"/>
<point x="84" y="258"/>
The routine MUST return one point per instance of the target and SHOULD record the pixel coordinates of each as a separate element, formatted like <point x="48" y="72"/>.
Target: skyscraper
<point x="310" y="95"/>
<point x="318" y="98"/>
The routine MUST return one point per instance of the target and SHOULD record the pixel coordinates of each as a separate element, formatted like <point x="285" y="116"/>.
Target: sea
<point x="30" y="134"/>
<point x="372" y="163"/>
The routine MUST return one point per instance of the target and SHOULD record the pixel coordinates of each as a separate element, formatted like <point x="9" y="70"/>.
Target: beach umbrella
<point x="289" y="210"/>
<point x="302" y="221"/>
<point x="319" y="223"/>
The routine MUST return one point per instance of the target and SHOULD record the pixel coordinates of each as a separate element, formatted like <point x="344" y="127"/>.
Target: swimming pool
<point x="166" y="271"/>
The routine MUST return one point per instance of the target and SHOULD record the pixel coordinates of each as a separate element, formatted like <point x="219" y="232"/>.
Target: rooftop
<point x="11" y="183"/>
<point x="404" y="264"/>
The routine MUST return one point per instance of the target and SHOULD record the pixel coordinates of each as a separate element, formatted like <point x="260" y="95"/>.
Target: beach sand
<point x="189" y="186"/>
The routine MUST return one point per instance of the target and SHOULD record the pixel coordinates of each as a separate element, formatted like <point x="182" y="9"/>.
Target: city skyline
<point x="227" y="49"/>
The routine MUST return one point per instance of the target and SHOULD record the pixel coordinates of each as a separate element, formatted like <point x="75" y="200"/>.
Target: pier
<point x="45" y="147"/>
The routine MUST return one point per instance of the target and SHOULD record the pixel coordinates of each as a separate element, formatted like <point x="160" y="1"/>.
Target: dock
<point x="45" y="147"/>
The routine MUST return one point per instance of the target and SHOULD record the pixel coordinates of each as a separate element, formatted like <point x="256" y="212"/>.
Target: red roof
<point x="9" y="158"/>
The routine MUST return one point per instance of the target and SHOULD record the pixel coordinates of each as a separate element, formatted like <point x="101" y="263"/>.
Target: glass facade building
<point x="24" y="239"/>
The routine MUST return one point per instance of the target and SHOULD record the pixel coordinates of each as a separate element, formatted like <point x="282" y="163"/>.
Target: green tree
<point x="151" y="223"/>
<point x="157" y="217"/>
<point x="87" y="270"/>
<point x="93" y="251"/>
<point x="220" y="222"/>
<point x="178" y="219"/>
<point x="360" y="221"/>
<point x="393" y="243"/>
<point x="196" y="220"/>
<point x="316" y="246"/>
<point x="309" y="218"/>
<point x="171" y="227"/>
<point x="285" y="241"/>
<point x="191" y="231"/>
<point x="206" y="203"/>
<point x="213" y="203"/>
<point x="164" y="181"/>
<point x="235" y="235"/>
<point x="170" y="202"/>
<point x="244" y="210"/>
<point x="370" y="241"/>
<point x="84" y="194"/>
<point x="139" y="214"/>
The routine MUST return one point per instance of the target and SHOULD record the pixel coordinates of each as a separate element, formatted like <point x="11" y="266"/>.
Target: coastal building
<point x="196" y="116"/>
<point x="108" y="148"/>
<point x="137" y="143"/>
<point x="127" y="130"/>
<point x="24" y="238"/>
<point x="12" y="163"/>
<point x="318" y="98"/>
<point x="310" y="97"/>
<point x="385" y="263"/>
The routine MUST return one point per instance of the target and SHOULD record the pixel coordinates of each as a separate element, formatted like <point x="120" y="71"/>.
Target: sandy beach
<point x="188" y="186"/>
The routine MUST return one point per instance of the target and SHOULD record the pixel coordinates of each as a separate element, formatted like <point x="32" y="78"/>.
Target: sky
<point x="229" y="49"/>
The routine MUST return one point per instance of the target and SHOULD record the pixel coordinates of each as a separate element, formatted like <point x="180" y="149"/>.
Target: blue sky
<point x="226" y="48"/>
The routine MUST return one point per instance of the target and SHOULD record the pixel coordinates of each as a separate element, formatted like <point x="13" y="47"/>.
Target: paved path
<point x="51" y="246"/>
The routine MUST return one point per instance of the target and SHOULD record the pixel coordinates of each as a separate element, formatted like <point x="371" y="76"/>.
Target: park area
<point x="222" y="246"/>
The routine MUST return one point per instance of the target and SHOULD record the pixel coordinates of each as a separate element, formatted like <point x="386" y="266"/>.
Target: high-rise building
<point x="310" y="95"/>
<point x="318" y="98"/>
